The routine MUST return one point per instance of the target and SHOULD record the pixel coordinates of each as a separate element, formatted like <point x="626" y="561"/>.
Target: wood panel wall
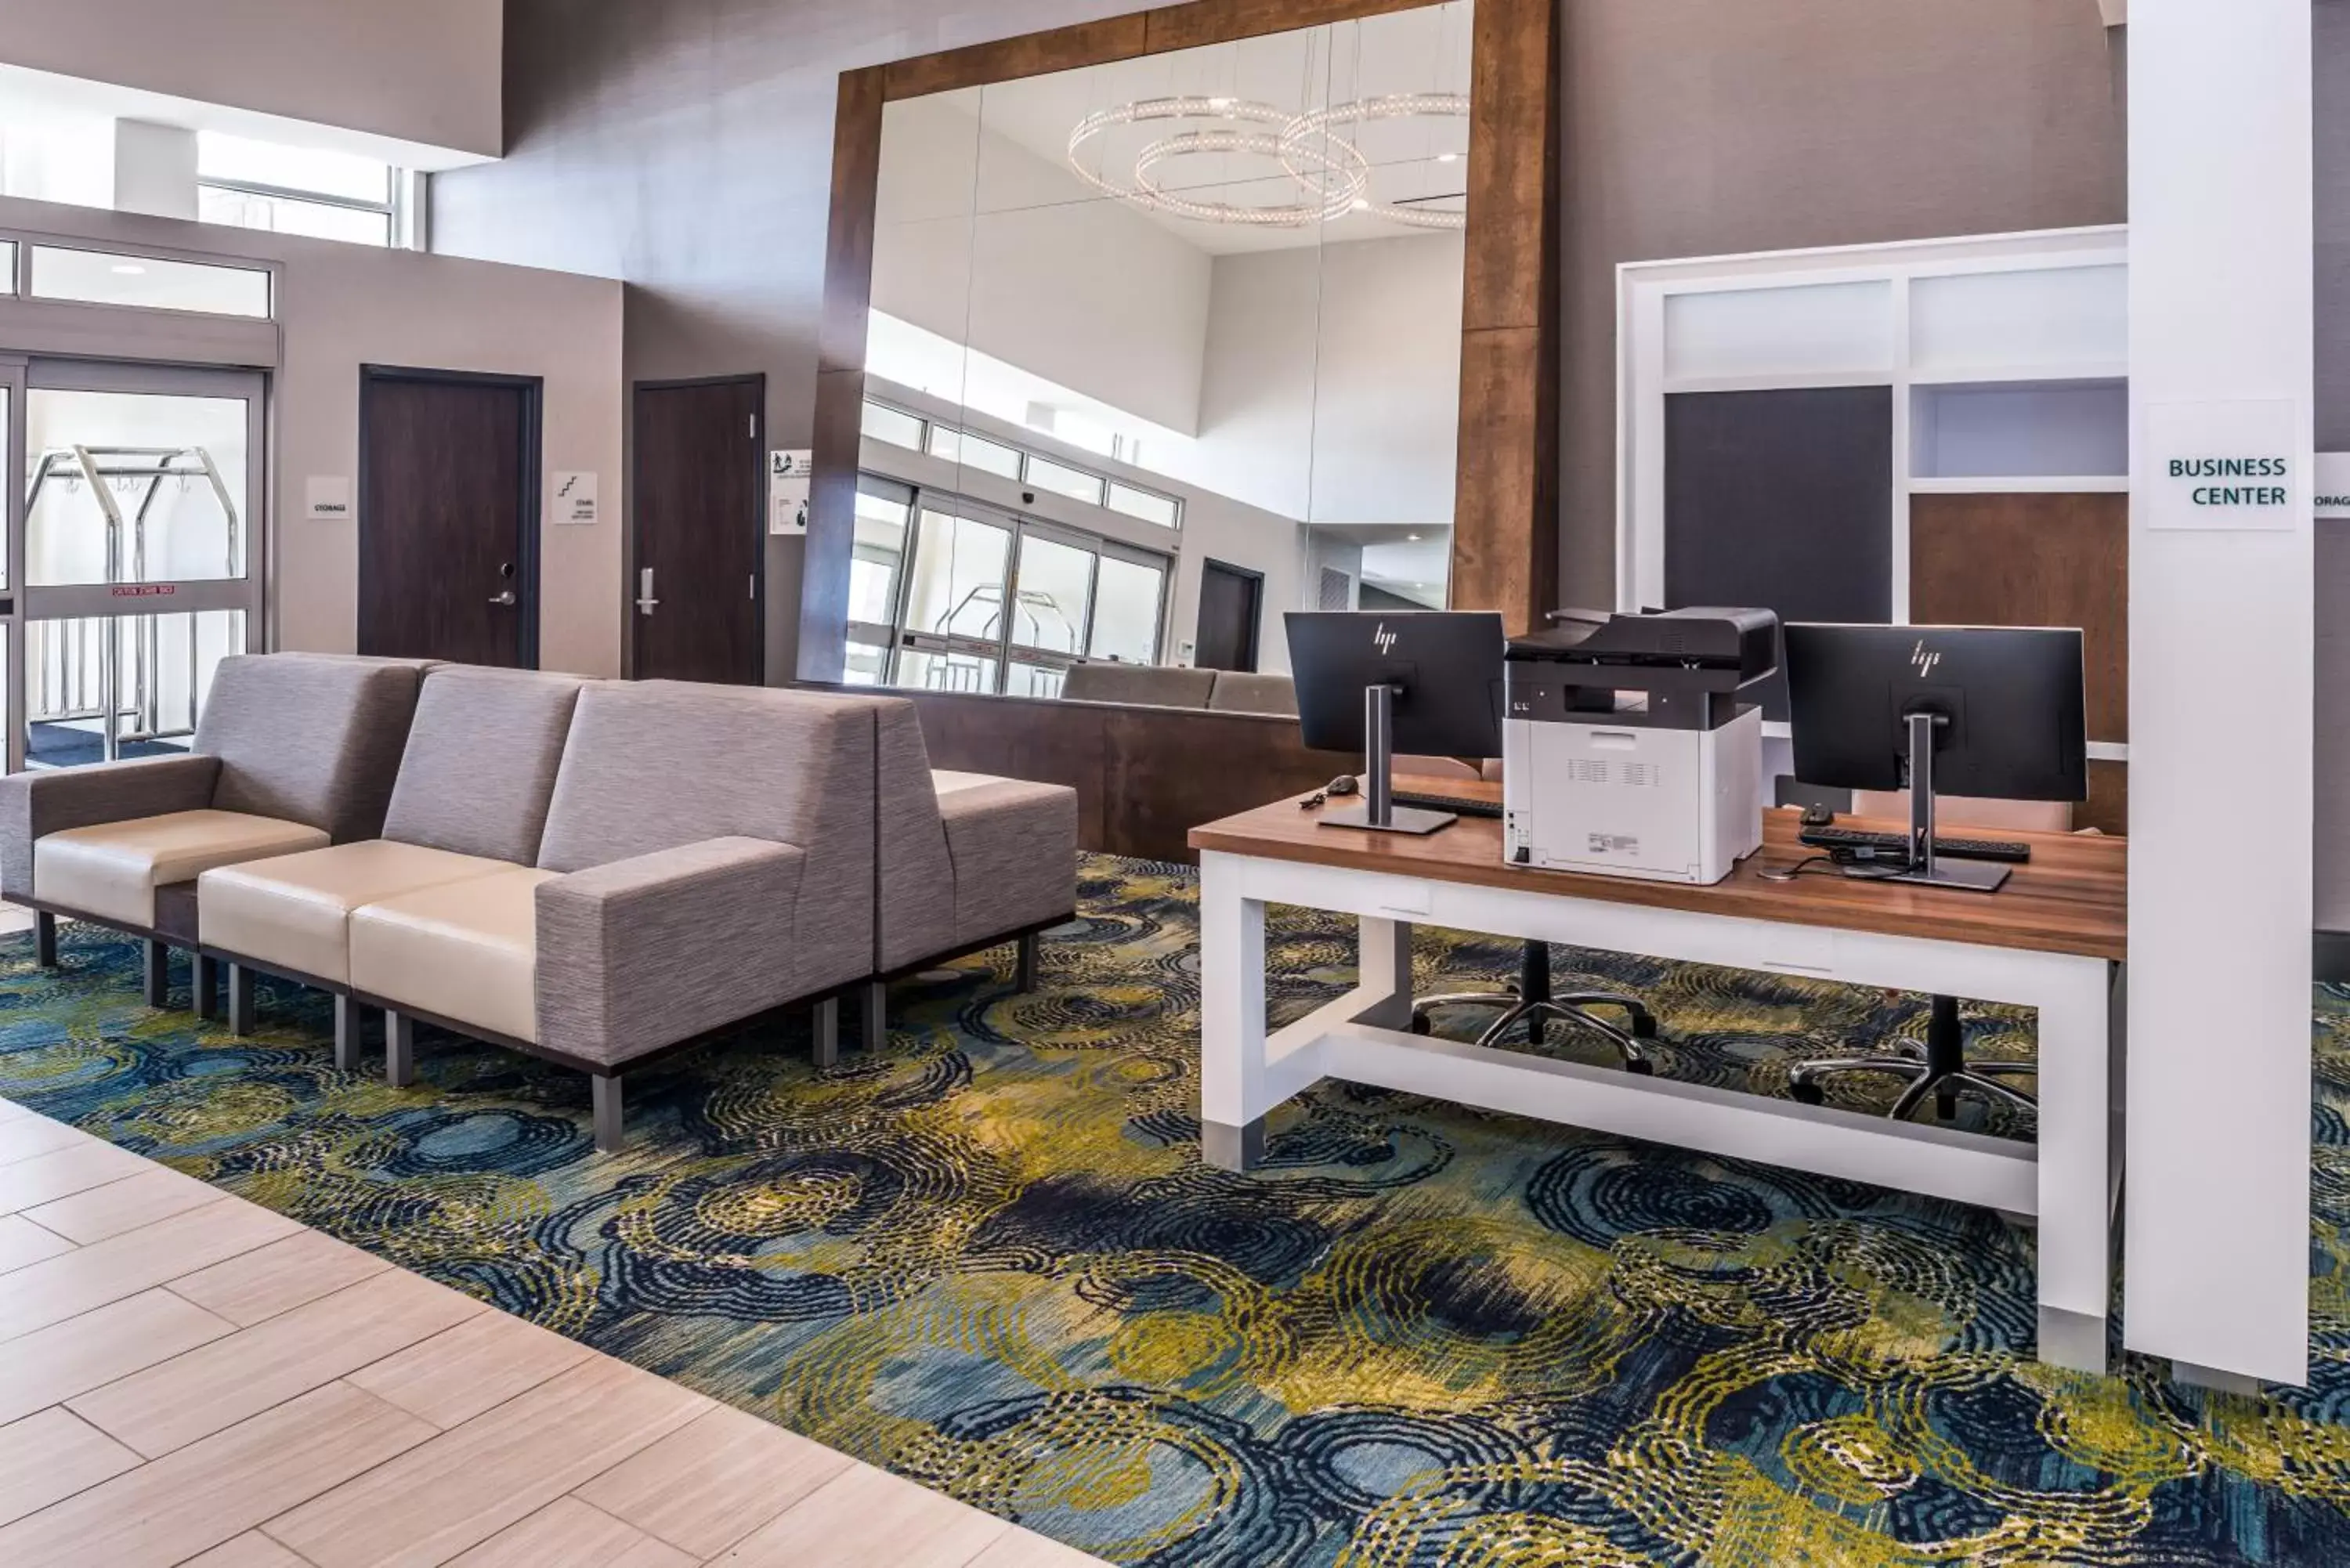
<point x="1505" y="502"/>
<point x="2032" y="559"/>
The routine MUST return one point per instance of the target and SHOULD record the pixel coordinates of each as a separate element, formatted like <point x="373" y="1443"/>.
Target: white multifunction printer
<point x="1632" y="745"/>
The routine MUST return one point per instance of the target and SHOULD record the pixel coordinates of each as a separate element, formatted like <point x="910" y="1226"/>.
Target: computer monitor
<point x="1996" y="711"/>
<point x="1428" y="681"/>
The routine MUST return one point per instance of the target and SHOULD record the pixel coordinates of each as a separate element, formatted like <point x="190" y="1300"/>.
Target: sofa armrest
<point x="1014" y="848"/>
<point x="643" y="952"/>
<point x="35" y="803"/>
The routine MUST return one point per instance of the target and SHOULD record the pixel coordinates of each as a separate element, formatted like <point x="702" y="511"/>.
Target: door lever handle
<point x="506" y="597"/>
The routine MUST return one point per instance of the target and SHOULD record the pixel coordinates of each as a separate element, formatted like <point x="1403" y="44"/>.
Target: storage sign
<point x="2222" y="467"/>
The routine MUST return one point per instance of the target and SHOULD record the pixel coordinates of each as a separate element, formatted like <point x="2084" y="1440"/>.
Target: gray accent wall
<point x="684" y="146"/>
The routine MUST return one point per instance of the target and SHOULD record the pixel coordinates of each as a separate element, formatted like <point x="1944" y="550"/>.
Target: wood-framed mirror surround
<point x="1505" y="504"/>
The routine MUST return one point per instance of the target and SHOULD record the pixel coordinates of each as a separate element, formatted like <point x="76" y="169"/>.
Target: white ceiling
<point x="1419" y="161"/>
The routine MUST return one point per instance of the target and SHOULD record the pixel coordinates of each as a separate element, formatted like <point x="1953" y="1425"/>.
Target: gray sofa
<point x="293" y="751"/>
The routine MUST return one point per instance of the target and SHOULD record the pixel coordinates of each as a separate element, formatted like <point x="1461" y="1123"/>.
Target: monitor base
<point x="1400" y="819"/>
<point x="1966" y="876"/>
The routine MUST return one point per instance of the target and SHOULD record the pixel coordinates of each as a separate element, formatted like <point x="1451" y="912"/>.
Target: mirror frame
<point x="1505" y="489"/>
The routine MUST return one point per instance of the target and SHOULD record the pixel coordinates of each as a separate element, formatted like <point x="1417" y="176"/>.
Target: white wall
<point x="2222" y="650"/>
<point x="427" y="71"/>
<point x="342" y="306"/>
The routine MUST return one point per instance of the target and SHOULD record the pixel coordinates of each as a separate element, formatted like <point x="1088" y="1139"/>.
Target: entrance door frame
<point x="1256" y="622"/>
<point x="628" y="552"/>
<point x="533" y="395"/>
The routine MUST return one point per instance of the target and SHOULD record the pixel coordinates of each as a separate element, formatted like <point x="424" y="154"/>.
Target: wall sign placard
<point x="2333" y="475"/>
<point x="2224" y="467"/>
<point x="328" y="498"/>
<point x="574" y="495"/>
<point x="787" y="490"/>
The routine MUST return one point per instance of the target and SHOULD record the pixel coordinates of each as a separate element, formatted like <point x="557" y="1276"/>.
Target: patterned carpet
<point x="988" y="1258"/>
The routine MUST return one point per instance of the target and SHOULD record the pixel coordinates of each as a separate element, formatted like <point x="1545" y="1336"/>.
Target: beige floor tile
<point x="26" y="1138"/>
<point x="484" y="1361"/>
<point x="212" y="1491"/>
<point x="868" y="1518"/>
<point x="466" y="1485"/>
<point x="1026" y="1548"/>
<point x="710" y="1483"/>
<point x="76" y="1168"/>
<point x="61" y="1287"/>
<point x="54" y="1364"/>
<point x="279" y="1277"/>
<point x="23" y="1243"/>
<point x="568" y="1531"/>
<point x="52" y="1455"/>
<point x="251" y="1550"/>
<point x="218" y="1384"/>
<point x="156" y="1193"/>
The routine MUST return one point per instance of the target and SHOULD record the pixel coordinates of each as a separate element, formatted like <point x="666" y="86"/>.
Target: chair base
<point x="1939" y="1068"/>
<point x="1532" y="1002"/>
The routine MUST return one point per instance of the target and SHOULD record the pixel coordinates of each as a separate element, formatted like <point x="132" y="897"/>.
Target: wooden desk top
<point x="2068" y="898"/>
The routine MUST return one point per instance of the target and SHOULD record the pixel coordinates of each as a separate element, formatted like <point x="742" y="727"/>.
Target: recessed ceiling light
<point x="1413" y="537"/>
<point x="1362" y="204"/>
<point x="1448" y="157"/>
<point x="129" y="269"/>
<point x="1220" y="104"/>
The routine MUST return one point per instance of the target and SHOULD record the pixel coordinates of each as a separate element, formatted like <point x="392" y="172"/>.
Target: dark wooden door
<point x="699" y="500"/>
<point x="448" y="486"/>
<point x="1230" y="600"/>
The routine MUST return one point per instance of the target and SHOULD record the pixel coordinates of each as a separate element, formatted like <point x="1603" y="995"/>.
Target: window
<point x="895" y="426"/>
<point x="7" y="266"/>
<point x="1148" y="505"/>
<point x="1076" y="483"/>
<point x="110" y="277"/>
<point x="974" y="452"/>
<point x="295" y="189"/>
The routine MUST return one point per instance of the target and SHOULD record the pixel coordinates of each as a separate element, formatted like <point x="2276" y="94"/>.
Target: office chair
<point x="1530" y="1001"/>
<point x="1939" y="1066"/>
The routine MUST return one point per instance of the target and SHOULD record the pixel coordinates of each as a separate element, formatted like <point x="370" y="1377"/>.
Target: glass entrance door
<point x="135" y="552"/>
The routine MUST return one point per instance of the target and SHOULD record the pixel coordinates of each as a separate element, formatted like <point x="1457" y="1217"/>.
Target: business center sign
<point x="2224" y="467"/>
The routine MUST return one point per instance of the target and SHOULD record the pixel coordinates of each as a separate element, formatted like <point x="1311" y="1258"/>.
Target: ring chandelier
<point x="1331" y="173"/>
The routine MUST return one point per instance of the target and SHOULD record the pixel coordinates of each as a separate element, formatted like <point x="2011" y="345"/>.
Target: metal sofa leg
<point x="826" y="1029"/>
<point x="155" y="966"/>
<point x="348" y="1025"/>
<point x="207" y="982"/>
<point x="1025" y="969"/>
<point x="873" y="1015"/>
<point x="604" y="1094"/>
<point x="44" y="939"/>
<point x="399" y="1049"/>
<point x="240" y="1000"/>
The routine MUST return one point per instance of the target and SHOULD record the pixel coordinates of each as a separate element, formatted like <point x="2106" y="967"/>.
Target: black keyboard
<point x="1446" y="803"/>
<point x="1897" y="844"/>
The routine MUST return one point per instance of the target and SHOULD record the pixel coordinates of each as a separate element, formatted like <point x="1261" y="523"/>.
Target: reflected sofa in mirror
<point x="1141" y="333"/>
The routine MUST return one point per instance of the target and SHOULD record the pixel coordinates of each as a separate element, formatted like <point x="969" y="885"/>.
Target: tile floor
<point x="188" y="1379"/>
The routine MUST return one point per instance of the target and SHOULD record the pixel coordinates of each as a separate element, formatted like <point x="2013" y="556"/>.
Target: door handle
<point x="506" y="597"/>
<point x="645" y="600"/>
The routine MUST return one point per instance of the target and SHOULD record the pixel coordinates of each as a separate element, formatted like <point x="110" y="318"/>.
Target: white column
<point x="2216" y="1273"/>
<point x="154" y="169"/>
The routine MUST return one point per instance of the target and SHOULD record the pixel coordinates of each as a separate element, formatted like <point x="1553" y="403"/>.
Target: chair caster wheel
<point x="1419" y="1023"/>
<point x="1640" y="1066"/>
<point x="1806" y="1092"/>
<point x="1644" y="1026"/>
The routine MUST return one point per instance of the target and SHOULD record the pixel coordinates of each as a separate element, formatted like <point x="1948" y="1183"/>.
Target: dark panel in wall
<point x="1703" y="128"/>
<point x="1781" y="500"/>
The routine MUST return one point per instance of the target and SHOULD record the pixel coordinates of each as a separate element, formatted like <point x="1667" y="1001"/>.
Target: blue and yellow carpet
<point x="987" y="1256"/>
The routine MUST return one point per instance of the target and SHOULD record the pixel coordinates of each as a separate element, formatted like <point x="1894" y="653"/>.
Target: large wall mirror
<point x="1149" y="350"/>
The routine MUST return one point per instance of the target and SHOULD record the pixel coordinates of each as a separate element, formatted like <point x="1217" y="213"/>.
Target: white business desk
<point x="2053" y="939"/>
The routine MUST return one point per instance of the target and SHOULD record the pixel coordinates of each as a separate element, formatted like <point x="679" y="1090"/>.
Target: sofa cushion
<point x="294" y="913"/>
<point x="481" y="759"/>
<point x="111" y="870"/>
<point x="1246" y="692"/>
<point x="1015" y="849"/>
<point x="308" y="738"/>
<point x="465" y="952"/>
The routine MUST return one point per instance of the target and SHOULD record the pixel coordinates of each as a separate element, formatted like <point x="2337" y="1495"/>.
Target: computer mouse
<point x="1818" y="816"/>
<point x="1343" y="785"/>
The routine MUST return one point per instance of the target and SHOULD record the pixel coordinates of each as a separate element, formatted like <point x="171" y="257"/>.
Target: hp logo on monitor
<point x="1383" y="639"/>
<point x="1923" y="660"/>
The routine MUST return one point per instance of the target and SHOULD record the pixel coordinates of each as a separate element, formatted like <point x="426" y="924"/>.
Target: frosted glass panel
<point x="1997" y="320"/>
<point x="100" y="277"/>
<point x="1771" y="331"/>
<point x="2023" y="430"/>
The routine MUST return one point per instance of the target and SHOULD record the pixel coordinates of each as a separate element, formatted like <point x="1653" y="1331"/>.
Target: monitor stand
<point x="1966" y="876"/>
<point x="1378" y="811"/>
